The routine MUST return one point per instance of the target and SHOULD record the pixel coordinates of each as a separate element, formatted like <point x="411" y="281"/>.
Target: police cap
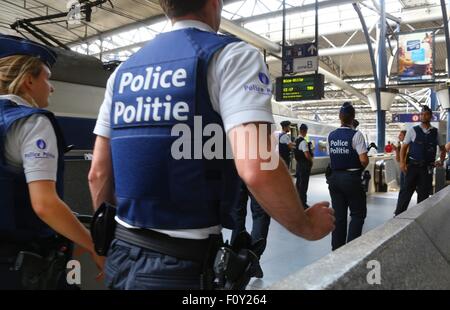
<point x="285" y="123"/>
<point x="303" y="127"/>
<point x="12" y="45"/>
<point x="347" y="109"/>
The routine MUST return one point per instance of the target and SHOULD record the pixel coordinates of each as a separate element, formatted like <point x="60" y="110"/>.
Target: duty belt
<point x="186" y="249"/>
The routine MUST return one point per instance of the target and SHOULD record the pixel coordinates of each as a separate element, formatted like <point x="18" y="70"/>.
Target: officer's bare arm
<point x="364" y="159"/>
<point x="55" y="213"/>
<point x="274" y="189"/>
<point x="447" y="147"/>
<point x="404" y="152"/>
<point x="101" y="180"/>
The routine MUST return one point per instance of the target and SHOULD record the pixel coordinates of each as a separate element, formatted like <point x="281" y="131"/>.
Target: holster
<point x="236" y="264"/>
<point x="102" y="228"/>
<point x="46" y="271"/>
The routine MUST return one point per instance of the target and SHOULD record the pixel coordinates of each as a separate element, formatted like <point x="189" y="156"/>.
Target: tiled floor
<point x="287" y="253"/>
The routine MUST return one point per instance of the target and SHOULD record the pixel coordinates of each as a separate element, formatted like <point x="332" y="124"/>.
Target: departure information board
<point x="300" y="87"/>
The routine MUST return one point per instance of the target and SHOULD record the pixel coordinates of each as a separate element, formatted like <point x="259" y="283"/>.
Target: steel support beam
<point x="447" y="42"/>
<point x="382" y="72"/>
<point x="296" y="9"/>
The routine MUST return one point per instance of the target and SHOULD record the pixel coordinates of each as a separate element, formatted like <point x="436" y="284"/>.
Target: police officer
<point x="418" y="159"/>
<point x="285" y="145"/>
<point x="304" y="156"/>
<point x="170" y="209"/>
<point x="348" y="156"/>
<point x="31" y="166"/>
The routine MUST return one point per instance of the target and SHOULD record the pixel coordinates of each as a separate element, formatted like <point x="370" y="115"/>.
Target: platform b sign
<point x="74" y="14"/>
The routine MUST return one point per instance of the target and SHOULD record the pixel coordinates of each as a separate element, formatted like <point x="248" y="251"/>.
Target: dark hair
<point x="403" y="132"/>
<point x="177" y="8"/>
<point x="346" y="119"/>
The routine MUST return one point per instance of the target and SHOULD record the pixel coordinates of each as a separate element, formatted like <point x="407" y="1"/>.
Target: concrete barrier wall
<point x="411" y="251"/>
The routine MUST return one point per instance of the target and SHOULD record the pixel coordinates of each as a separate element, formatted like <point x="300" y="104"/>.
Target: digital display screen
<point x="300" y="87"/>
<point x="415" y="58"/>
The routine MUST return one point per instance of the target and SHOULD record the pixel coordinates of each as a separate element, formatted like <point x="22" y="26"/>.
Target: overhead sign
<point x="300" y="87"/>
<point x="300" y="58"/>
<point x="415" y="59"/>
<point x="412" y="117"/>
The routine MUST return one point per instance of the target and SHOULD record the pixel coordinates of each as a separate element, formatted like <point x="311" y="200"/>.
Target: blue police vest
<point x="423" y="148"/>
<point x="342" y="154"/>
<point x="299" y="154"/>
<point x="18" y="222"/>
<point x="283" y="148"/>
<point x="160" y="90"/>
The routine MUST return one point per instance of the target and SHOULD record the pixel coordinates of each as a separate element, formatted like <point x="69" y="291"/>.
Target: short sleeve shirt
<point x="31" y="145"/>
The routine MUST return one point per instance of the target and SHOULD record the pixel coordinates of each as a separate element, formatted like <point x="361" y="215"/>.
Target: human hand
<point x="100" y="262"/>
<point x="438" y="163"/>
<point x="403" y="167"/>
<point x="321" y="220"/>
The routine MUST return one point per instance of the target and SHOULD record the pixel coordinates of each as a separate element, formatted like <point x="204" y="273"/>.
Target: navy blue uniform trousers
<point x="347" y="192"/>
<point x="130" y="267"/>
<point x="416" y="178"/>
<point x="261" y="220"/>
<point x="302" y="174"/>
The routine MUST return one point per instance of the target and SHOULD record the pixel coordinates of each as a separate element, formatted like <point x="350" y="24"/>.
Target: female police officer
<point x="31" y="162"/>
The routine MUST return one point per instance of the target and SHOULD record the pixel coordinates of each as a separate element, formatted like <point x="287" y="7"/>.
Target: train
<point x="80" y="80"/>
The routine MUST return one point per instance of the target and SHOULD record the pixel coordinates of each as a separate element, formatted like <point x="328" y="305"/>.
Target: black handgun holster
<point x="102" y="228"/>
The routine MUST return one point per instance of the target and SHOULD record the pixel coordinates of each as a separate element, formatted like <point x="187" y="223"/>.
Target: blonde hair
<point x="14" y="70"/>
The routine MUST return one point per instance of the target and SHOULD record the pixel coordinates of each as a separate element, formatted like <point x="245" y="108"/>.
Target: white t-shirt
<point x="303" y="146"/>
<point x="31" y="145"/>
<point x="240" y="91"/>
<point x="284" y="138"/>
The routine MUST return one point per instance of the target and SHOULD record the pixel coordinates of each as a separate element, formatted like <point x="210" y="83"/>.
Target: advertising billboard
<point x="416" y="57"/>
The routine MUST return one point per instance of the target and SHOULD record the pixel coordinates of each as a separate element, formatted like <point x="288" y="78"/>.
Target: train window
<point x="322" y="144"/>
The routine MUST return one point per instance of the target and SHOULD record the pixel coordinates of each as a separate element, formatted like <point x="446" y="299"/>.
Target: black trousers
<point x="416" y="178"/>
<point x="347" y="192"/>
<point x="261" y="220"/>
<point x="287" y="161"/>
<point x="302" y="174"/>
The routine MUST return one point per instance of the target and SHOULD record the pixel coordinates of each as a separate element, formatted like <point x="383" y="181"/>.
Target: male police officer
<point x="169" y="209"/>
<point x="304" y="156"/>
<point x="285" y="145"/>
<point x="348" y="155"/>
<point x="417" y="160"/>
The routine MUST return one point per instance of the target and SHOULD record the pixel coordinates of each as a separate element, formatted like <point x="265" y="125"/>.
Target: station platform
<point x="286" y="253"/>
